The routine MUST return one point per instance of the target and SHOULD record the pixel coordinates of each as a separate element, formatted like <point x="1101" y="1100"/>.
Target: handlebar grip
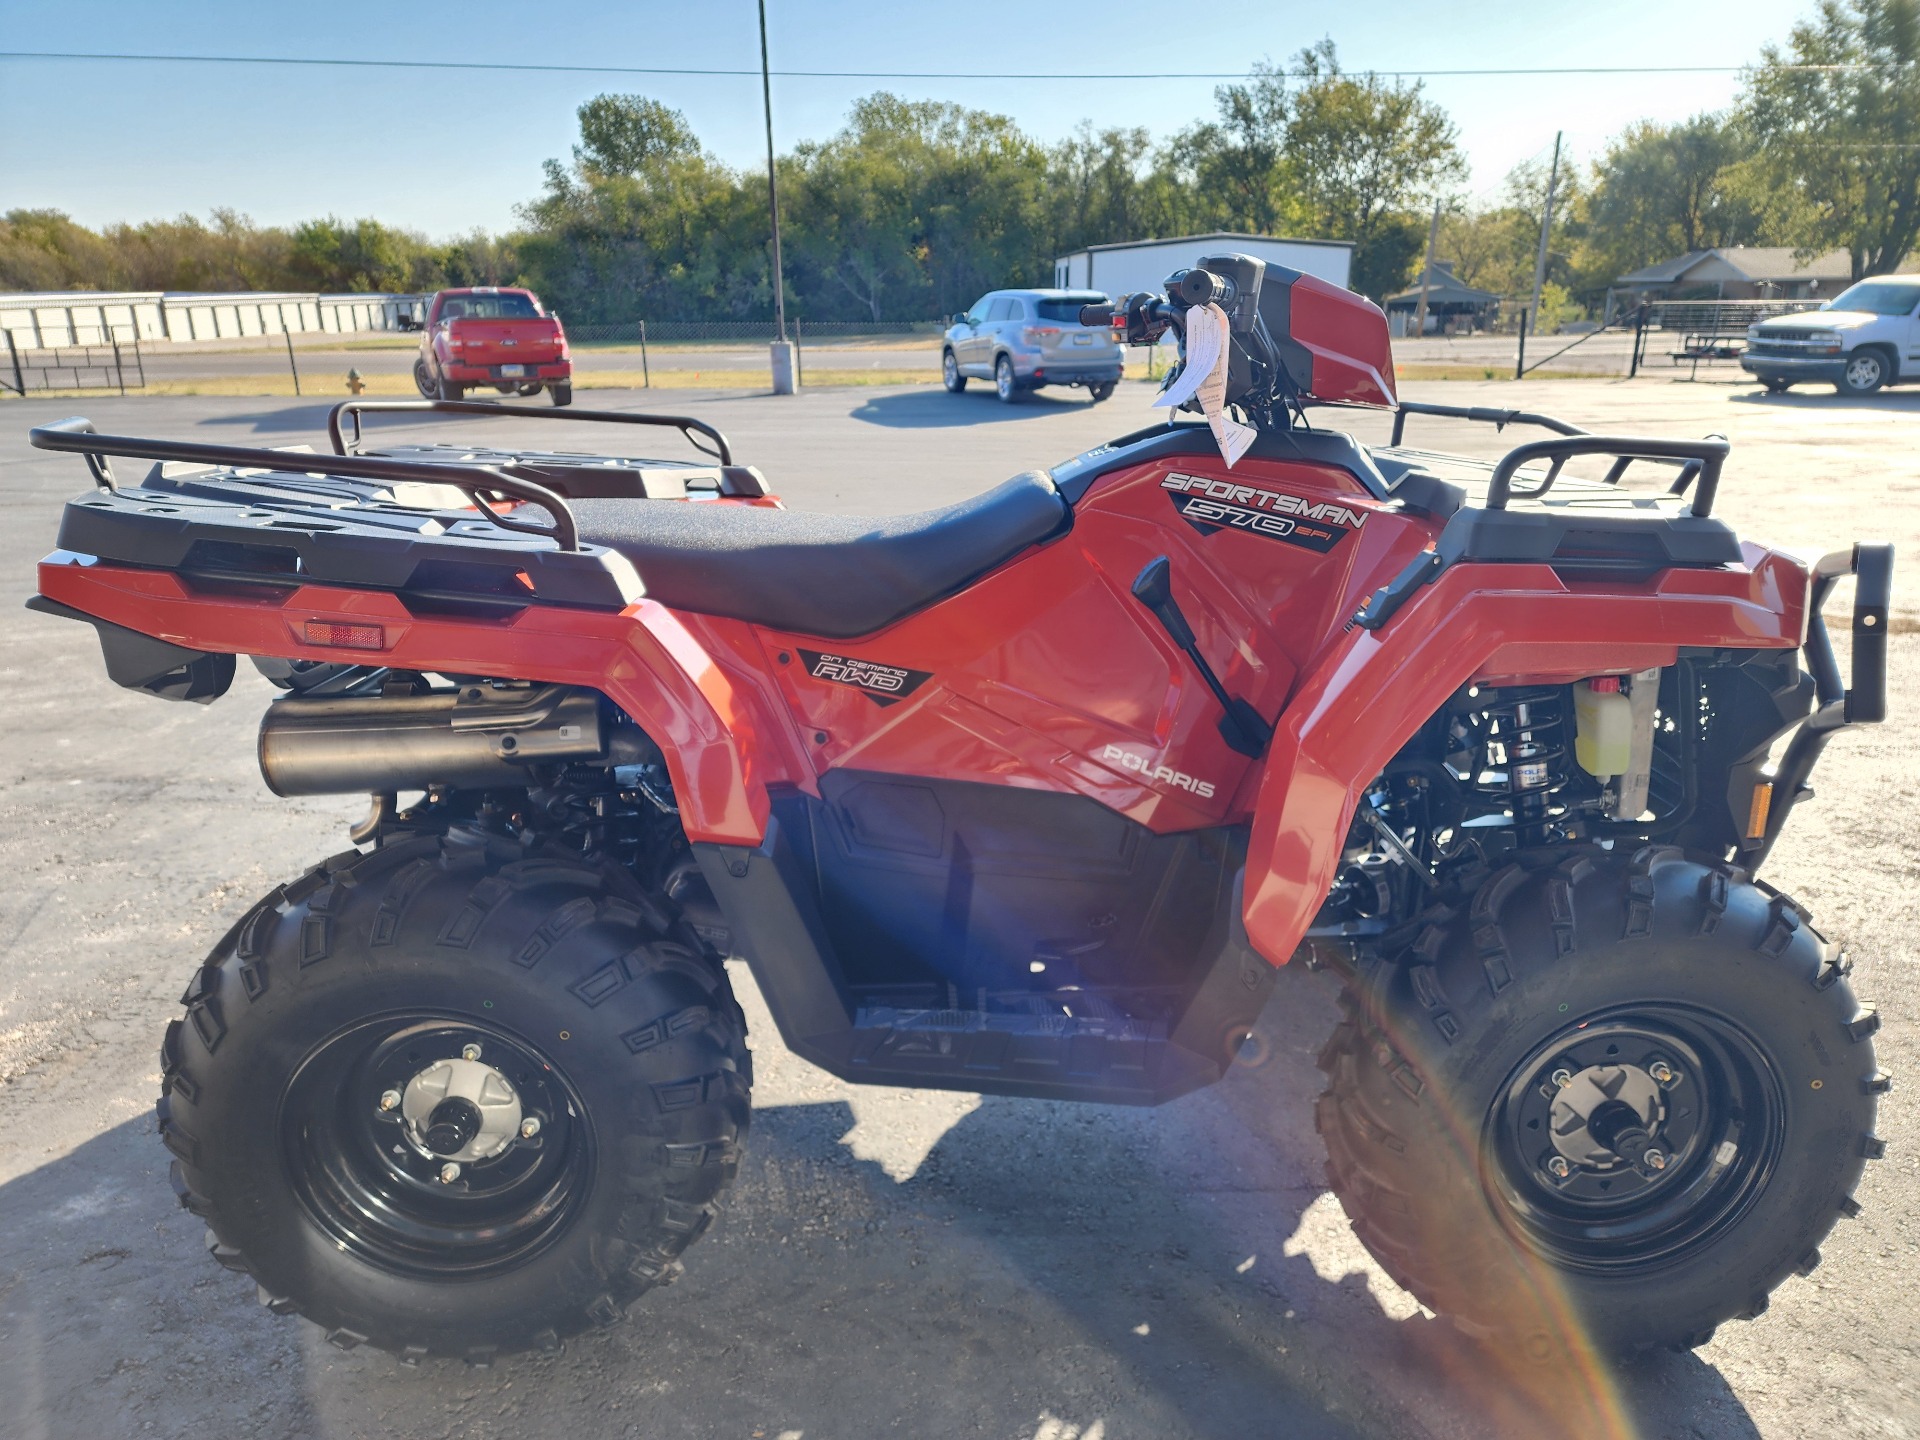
<point x="1203" y="287"/>
<point x="1096" y="314"/>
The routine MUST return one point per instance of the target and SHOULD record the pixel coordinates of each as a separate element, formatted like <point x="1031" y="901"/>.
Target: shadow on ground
<point x="1825" y="398"/>
<point x="938" y="410"/>
<point x="1047" y="1269"/>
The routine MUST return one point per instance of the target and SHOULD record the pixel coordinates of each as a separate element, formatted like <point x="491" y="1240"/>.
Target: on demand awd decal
<point x="1209" y="505"/>
<point x="883" y="684"/>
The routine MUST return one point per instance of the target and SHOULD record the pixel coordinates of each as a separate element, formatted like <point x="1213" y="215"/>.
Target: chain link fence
<point x="667" y="332"/>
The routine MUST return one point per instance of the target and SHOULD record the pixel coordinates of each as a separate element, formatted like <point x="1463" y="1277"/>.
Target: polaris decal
<point x="883" y="684"/>
<point x="1158" y="774"/>
<point x="1211" y="505"/>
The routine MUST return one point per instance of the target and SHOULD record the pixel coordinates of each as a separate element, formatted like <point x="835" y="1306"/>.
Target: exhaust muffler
<point x="474" y="737"/>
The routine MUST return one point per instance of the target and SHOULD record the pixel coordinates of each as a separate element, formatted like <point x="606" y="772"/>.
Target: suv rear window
<point x="489" y="307"/>
<point x="1067" y="311"/>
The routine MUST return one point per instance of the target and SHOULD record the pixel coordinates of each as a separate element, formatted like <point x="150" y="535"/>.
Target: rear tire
<point x="447" y="390"/>
<point x="1445" y="1134"/>
<point x="1005" y="385"/>
<point x="1101" y="390"/>
<point x="587" y="1007"/>
<point x="562" y="394"/>
<point x="950" y="375"/>
<point x="1778" y="387"/>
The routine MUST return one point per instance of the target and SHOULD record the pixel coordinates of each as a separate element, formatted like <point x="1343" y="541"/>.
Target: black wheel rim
<point x="374" y="1188"/>
<point x="1719" y="1130"/>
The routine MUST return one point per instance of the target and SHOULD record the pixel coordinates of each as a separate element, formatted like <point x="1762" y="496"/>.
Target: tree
<point x="630" y="135"/>
<point x="1237" y="164"/>
<point x="1667" y="190"/>
<point x="1363" y="154"/>
<point x="1839" y="145"/>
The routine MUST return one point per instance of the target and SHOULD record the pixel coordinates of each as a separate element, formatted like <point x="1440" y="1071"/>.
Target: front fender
<point x="1498" y="624"/>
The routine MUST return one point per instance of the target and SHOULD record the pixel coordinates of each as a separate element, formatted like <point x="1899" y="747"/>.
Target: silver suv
<point x="1024" y="339"/>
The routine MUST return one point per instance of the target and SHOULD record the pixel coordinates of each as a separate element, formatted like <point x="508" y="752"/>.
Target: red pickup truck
<point x="486" y="335"/>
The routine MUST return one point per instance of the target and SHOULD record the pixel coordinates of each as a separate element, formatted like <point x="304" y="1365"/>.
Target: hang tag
<point x="1205" y="377"/>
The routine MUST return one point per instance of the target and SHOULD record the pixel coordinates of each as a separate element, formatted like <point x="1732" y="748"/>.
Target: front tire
<point x="950" y="375"/>
<point x="1866" y="372"/>
<point x="539" y="1026"/>
<point x="1709" y="1032"/>
<point x="1778" y="387"/>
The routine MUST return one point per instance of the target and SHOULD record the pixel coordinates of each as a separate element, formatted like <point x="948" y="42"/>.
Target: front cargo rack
<point x="1699" y="461"/>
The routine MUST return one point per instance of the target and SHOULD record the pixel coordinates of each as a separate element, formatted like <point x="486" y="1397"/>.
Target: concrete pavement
<point x="891" y="1262"/>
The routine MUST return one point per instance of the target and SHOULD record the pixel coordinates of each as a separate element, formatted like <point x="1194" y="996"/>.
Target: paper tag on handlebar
<point x="1204" y="377"/>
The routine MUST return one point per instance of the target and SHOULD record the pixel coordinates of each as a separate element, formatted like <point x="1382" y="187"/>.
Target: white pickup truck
<point x="1866" y="337"/>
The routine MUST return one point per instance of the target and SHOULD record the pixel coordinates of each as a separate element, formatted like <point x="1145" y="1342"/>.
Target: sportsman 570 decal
<point x="1214" y="504"/>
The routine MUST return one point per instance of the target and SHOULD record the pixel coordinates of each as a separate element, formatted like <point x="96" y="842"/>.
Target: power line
<point x="1480" y="73"/>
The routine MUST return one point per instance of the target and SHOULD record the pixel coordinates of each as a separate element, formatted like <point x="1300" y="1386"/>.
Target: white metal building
<point x="1137" y="265"/>
<point x="93" y="317"/>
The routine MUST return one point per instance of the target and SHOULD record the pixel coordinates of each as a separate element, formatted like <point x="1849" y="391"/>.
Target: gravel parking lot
<point x="892" y="1262"/>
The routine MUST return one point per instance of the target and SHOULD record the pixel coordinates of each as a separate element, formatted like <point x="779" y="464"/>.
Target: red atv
<point x="1031" y="795"/>
<point x="488" y="336"/>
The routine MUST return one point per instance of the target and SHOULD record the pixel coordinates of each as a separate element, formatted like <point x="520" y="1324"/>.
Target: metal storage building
<point x="1136" y="265"/>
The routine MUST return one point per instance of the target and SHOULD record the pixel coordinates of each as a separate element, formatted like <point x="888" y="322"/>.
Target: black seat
<point x="829" y="575"/>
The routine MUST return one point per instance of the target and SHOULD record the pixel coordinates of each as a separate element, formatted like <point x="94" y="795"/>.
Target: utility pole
<point x="1426" y="275"/>
<point x="782" y="352"/>
<point x="1546" y="228"/>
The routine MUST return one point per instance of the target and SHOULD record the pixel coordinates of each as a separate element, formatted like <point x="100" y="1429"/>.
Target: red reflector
<point x="347" y="637"/>
<point x="1604" y="684"/>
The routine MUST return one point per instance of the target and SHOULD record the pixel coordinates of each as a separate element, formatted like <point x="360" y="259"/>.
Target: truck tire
<point x="1867" y="369"/>
<point x="447" y="390"/>
<point x="1471" y="1078"/>
<point x="540" y="1025"/>
<point x="424" y="382"/>
<point x="563" y="393"/>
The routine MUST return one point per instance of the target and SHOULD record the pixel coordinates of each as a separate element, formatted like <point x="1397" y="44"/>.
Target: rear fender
<point x="684" y="680"/>
<point x="1499" y="624"/>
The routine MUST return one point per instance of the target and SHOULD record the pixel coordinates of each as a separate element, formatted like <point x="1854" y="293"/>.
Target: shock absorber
<point x="1530" y="725"/>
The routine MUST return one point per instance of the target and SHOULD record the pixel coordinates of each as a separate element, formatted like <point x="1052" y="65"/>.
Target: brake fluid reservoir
<point x="1603" y="726"/>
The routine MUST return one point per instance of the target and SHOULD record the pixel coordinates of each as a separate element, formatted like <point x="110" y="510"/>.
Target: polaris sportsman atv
<point x="1031" y="795"/>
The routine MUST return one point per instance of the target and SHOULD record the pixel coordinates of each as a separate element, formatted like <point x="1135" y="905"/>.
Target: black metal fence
<point x="1708" y="331"/>
<point x="116" y="365"/>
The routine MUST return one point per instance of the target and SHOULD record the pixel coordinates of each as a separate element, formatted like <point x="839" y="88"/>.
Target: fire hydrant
<point x="355" y="382"/>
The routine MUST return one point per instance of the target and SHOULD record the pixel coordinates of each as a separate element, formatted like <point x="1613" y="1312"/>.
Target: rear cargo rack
<point x="354" y="409"/>
<point x="481" y="484"/>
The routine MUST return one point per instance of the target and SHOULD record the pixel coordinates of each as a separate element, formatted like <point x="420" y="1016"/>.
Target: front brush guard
<point x="1838" y="706"/>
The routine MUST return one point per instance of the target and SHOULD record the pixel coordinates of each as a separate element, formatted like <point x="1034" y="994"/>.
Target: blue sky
<point x="445" y="152"/>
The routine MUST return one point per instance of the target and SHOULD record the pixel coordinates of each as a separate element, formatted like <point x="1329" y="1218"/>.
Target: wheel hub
<point x="460" y="1109"/>
<point x="1596" y="1111"/>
